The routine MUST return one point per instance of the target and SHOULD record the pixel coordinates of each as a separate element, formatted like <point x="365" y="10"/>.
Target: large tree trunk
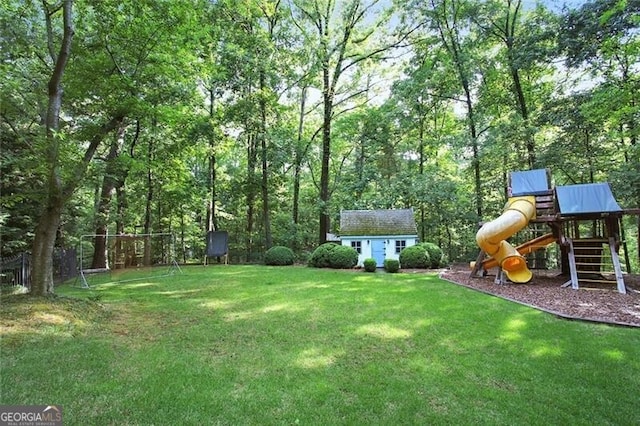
<point x="43" y="244"/>
<point x="109" y="183"/>
<point x="326" y="154"/>
<point x="45" y="235"/>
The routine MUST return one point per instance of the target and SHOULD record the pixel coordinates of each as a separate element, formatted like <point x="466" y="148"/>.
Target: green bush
<point x="331" y="255"/>
<point x="321" y="256"/>
<point x="343" y="257"/>
<point x="370" y="265"/>
<point x="279" y="256"/>
<point x="415" y="257"/>
<point x="391" y="265"/>
<point x="436" y="256"/>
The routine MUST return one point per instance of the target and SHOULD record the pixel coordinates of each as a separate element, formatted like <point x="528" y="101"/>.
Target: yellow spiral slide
<point x="491" y="237"/>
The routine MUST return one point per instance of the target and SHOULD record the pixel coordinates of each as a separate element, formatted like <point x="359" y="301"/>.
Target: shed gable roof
<point x="377" y="222"/>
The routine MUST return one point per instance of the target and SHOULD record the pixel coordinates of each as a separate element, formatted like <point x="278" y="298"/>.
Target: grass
<point x="243" y="345"/>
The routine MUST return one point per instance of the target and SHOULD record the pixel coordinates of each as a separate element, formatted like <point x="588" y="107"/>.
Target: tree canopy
<point x="267" y="118"/>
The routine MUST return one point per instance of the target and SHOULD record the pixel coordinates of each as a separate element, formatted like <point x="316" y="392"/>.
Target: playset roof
<point x="586" y="199"/>
<point x="529" y="182"/>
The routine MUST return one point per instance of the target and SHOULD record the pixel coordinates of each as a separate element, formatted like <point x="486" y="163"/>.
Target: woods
<point x="267" y="118"/>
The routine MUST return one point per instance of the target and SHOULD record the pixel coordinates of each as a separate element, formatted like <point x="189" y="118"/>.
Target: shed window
<point x="357" y="245"/>
<point x="400" y="244"/>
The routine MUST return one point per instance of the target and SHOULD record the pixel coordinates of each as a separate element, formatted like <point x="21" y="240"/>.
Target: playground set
<point x="584" y="220"/>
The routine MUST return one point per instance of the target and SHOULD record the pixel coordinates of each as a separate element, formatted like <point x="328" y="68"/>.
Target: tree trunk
<point x="326" y="155"/>
<point x="212" y="219"/>
<point x="43" y="245"/>
<point x="58" y="195"/>
<point x="524" y="113"/>
<point x="473" y="132"/>
<point x="45" y="235"/>
<point x="109" y="184"/>
<point x="509" y="37"/>
<point x="450" y="38"/>
<point x="422" y="159"/>
<point x="264" y="184"/>
<point x="298" y="158"/>
<point x="252" y="159"/>
<point x="146" y="256"/>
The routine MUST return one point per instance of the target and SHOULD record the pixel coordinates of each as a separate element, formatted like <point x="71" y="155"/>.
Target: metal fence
<point x="16" y="270"/>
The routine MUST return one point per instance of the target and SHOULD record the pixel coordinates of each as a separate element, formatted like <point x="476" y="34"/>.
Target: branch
<point x="47" y="17"/>
<point x="111" y="55"/>
<point x="81" y="167"/>
<point x="17" y="133"/>
<point x="338" y="172"/>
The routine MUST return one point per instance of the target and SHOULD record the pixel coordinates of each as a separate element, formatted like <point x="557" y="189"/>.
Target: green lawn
<point x="262" y="345"/>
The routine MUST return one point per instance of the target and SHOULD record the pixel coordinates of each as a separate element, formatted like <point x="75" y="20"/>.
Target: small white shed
<point x="378" y="234"/>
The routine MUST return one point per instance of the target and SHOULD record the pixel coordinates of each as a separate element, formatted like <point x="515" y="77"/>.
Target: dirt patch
<point x="545" y="292"/>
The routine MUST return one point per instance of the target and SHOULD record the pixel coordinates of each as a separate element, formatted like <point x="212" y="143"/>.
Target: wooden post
<point x="572" y="266"/>
<point x="616" y="265"/>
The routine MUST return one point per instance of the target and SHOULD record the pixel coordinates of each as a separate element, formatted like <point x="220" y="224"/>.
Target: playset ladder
<point x="587" y="265"/>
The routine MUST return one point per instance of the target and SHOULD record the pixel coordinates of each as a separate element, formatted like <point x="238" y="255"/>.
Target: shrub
<point x="415" y="257"/>
<point x="320" y="258"/>
<point x="391" y="265"/>
<point x="343" y="257"/>
<point x="331" y="255"/>
<point x="436" y="256"/>
<point x="370" y="265"/>
<point x="279" y="256"/>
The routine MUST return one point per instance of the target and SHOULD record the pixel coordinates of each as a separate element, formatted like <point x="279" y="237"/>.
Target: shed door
<point x="377" y="252"/>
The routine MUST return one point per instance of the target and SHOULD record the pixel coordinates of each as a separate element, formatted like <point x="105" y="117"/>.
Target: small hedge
<point x="436" y="256"/>
<point x="331" y="255"/>
<point x="279" y="256"/>
<point x="370" y="265"/>
<point x="415" y="257"/>
<point x="321" y="256"/>
<point x="422" y="256"/>
<point x="391" y="265"/>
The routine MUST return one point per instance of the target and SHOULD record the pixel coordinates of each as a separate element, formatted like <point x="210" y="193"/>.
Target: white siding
<point x="389" y="242"/>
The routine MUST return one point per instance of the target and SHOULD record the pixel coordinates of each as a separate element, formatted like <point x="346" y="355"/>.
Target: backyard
<point x="296" y="345"/>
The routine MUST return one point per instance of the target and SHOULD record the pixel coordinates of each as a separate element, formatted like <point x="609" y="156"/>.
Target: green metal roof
<point x="377" y="222"/>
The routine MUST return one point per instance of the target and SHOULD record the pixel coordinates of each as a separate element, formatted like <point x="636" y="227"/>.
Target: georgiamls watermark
<point x="30" y="415"/>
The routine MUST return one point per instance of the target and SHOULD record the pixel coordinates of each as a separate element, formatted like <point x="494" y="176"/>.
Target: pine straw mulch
<point x="545" y="292"/>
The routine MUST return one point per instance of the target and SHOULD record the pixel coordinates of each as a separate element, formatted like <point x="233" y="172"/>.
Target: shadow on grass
<point x="250" y="344"/>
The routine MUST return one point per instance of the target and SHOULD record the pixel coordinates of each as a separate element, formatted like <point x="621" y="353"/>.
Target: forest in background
<point x="267" y="118"/>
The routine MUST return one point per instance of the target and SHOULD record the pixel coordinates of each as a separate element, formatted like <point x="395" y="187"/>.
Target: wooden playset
<point x="584" y="220"/>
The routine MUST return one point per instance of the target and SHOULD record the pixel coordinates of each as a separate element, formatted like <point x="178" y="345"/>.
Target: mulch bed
<point x="545" y="292"/>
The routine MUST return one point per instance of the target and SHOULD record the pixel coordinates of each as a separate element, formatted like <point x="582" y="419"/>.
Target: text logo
<point x="30" y="415"/>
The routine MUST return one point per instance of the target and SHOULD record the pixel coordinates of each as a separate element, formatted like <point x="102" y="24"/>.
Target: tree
<point x="451" y="20"/>
<point x="341" y="48"/>
<point x="603" y="36"/>
<point x="422" y="104"/>
<point x="58" y="189"/>
<point x="525" y="43"/>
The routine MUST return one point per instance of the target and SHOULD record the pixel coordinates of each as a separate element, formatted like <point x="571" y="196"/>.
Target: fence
<point x="16" y="270"/>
